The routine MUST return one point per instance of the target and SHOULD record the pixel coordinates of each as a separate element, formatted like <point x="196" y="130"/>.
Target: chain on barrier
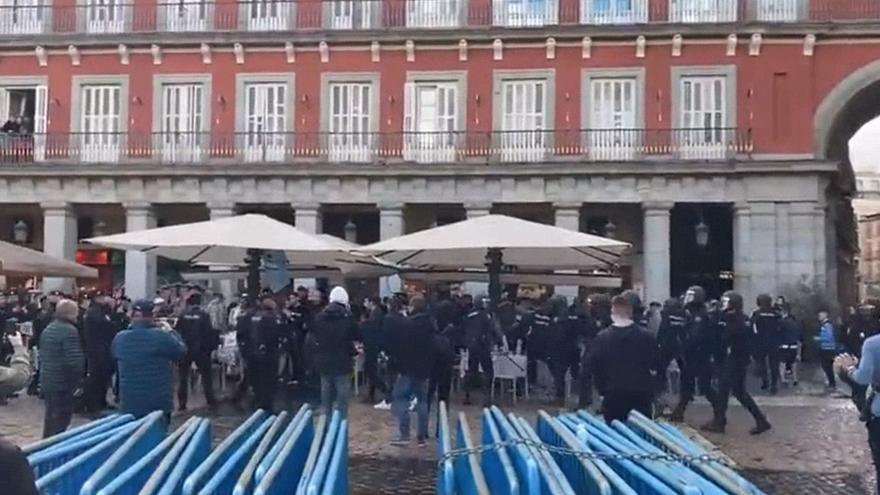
<point x="580" y="454"/>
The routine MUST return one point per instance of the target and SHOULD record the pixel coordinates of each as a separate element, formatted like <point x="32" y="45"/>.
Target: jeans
<point x="406" y="387"/>
<point x="768" y="364"/>
<point x="874" y="444"/>
<point x="59" y="412"/>
<point x="828" y="366"/>
<point x="335" y="393"/>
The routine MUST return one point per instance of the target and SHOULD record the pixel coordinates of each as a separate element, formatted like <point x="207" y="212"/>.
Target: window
<point x="524" y="122"/>
<point x="351" y="14"/>
<point x="105" y="16"/>
<point x="614" y="11"/>
<point x="268" y="15"/>
<point x="24" y="101"/>
<point x="433" y="13"/>
<point x="614" y="126"/>
<point x="779" y="10"/>
<point x="524" y="13"/>
<point x="698" y="11"/>
<point x="431" y="121"/>
<point x="181" y="133"/>
<point x="186" y="15"/>
<point x="265" y="121"/>
<point x="100" y="128"/>
<point x="350" y="121"/>
<point x="703" y="116"/>
<point x="21" y="16"/>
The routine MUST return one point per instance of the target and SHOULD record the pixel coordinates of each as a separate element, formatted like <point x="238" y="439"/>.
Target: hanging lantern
<point x="610" y="230"/>
<point x="20" y="232"/>
<point x="99" y="229"/>
<point x="350" y="231"/>
<point x="701" y="231"/>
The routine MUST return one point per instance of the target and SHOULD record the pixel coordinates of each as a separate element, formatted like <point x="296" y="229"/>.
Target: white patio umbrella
<point x="234" y="241"/>
<point x="21" y="261"/>
<point x="499" y="244"/>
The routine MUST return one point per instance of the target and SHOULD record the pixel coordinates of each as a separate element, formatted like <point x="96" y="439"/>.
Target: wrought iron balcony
<point x="36" y="17"/>
<point x="377" y="148"/>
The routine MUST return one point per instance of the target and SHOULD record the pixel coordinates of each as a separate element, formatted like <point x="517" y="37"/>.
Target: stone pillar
<point x="742" y="235"/>
<point x="218" y="211"/>
<point x="568" y="217"/>
<point x="762" y="242"/>
<point x="140" y="268"/>
<point x="307" y="217"/>
<point x="825" y="242"/>
<point x="656" y="251"/>
<point x="391" y="225"/>
<point x="474" y="210"/>
<point x="59" y="240"/>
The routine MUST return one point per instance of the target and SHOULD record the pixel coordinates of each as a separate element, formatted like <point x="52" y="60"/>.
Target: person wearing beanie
<point x="335" y="331"/>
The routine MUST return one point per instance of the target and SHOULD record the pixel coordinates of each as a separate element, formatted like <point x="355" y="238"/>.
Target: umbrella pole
<point x="493" y="267"/>
<point x="253" y="275"/>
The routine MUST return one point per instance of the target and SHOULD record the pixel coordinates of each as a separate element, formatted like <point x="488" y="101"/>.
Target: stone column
<point x="140" y="268"/>
<point x="218" y="211"/>
<point x="59" y="240"/>
<point x="656" y="251"/>
<point x="762" y="241"/>
<point x="390" y="225"/>
<point x="742" y="235"/>
<point x="568" y="217"/>
<point x="474" y="210"/>
<point x="307" y="218"/>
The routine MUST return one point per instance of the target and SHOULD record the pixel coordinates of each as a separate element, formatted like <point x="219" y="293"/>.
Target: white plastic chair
<point x="509" y="367"/>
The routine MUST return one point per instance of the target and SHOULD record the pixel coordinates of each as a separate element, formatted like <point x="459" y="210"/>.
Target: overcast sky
<point x="864" y="148"/>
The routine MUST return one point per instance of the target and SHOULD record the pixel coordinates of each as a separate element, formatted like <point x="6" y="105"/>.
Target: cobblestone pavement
<point x="817" y="445"/>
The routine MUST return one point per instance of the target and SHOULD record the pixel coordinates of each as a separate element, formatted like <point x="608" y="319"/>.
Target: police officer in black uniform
<point x="735" y="332"/>
<point x="201" y="339"/>
<point x="98" y="332"/>
<point x="698" y="348"/>
<point x="538" y="339"/>
<point x="670" y="338"/>
<point x="259" y="334"/>
<point x="767" y="339"/>
<point x="480" y="337"/>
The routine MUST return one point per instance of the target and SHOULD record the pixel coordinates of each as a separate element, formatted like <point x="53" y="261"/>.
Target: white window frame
<point x="603" y="143"/>
<point x="702" y="11"/>
<point x="620" y="12"/>
<point x="435" y="146"/>
<point x="192" y="146"/>
<point x="271" y="15"/>
<point x="525" y="13"/>
<point x="102" y="147"/>
<point x="359" y="146"/>
<point x="705" y="143"/>
<point x="434" y="13"/>
<point x="182" y="16"/>
<point x="352" y="14"/>
<point x="97" y="18"/>
<point x="779" y="10"/>
<point x="524" y="145"/>
<point x="40" y="85"/>
<point x="24" y="16"/>
<point x="261" y="147"/>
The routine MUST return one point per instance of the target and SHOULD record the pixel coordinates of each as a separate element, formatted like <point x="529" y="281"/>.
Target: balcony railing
<point x="34" y="17"/>
<point x="418" y="147"/>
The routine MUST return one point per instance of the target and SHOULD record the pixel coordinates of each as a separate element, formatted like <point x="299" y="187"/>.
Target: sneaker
<point x="413" y="403"/>
<point x="382" y="406"/>
<point x="761" y="427"/>
<point x="400" y="442"/>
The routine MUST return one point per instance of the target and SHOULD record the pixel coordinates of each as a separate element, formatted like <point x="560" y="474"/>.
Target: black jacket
<point x="735" y="331"/>
<point x="17" y="475"/>
<point x="700" y="336"/>
<point x="333" y="338"/>
<point x="622" y="360"/>
<point x="194" y="326"/>
<point x="372" y="334"/>
<point x="767" y="329"/>
<point x="671" y="335"/>
<point x="259" y="334"/>
<point x="478" y="330"/>
<point x="416" y="347"/>
<point x="98" y="333"/>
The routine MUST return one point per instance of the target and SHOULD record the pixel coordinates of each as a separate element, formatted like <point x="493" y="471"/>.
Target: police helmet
<point x="732" y="301"/>
<point x="695" y="295"/>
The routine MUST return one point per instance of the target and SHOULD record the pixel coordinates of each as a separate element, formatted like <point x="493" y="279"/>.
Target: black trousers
<point x="371" y="370"/>
<point x="440" y="382"/>
<point x="203" y="363"/>
<point x="585" y="383"/>
<point x="874" y="444"/>
<point x="59" y="412"/>
<point x="617" y="405"/>
<point x="768" y="358"/>
<point x="827" y="358"/>
<point x="667" y="356"/>
<point x="733" y="381"/>
<point x="98" y="378"/>
<point x="696" y="376"/>
<point x="477" y="358"/>
<point x="263" y="377"/>
<point x="564" y="360"/>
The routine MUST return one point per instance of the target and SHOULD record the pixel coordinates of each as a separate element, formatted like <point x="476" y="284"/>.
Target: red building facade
<point x="642" y="117"/>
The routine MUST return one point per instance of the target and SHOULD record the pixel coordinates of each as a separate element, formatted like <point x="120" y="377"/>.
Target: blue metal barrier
<point x="222" y="481"/>
<point x="553" y="480"/>
<point x="149" y="434"/>
<point x="314" y="451"/>
<point x="269" y="458"/>
<point x="195" y="481"/>
<point x="182" y="461"/>
<point x="523" y="462"/>
<point x="446" y="474"/>
<point x="247" y="478"/>
<point x="469" y="477"/>
<point x="91" y="428"/>
<point x="50" y="458"/>
<point x="583" y="474"/>
<point x="319" y="473"/>
<point x="286" y="469"/>
<point x="497" y="466"/>
<point x="69" y="478"/>
<point x="134" y="479"/>
<point x="336" y="481"/>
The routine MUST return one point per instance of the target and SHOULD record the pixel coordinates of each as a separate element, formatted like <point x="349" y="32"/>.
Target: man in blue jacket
<point x="145" y="355"/>
<point x="828" y="346"/>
